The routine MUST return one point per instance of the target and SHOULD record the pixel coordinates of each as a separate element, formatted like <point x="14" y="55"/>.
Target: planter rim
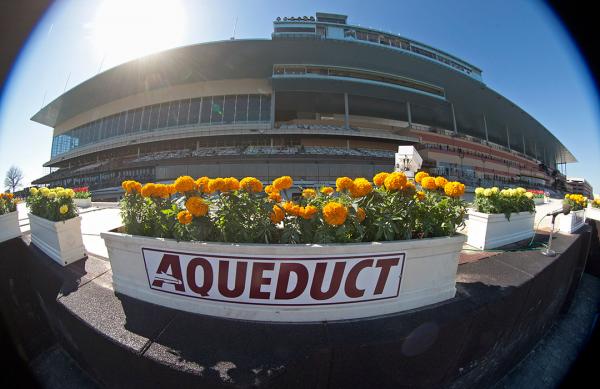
<point x="491" y="215"/>
<point x="409" y="242"/>
<point x="30" y="215"/>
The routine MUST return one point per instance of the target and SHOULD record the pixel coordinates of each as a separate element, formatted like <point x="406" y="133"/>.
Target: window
<point x="137" y="119"/>
<point x="184" y="109"/>
<point x="265" y="108"/>
<point x="254" y="108"/>
<point x="194" y="115"/>
<point x="241" y="109"/>
<point x="154" y="117"/>
<point x="173" y="114"/>
<point x="229" y="109"/>
<point x="216" y="115"/>
<point x="162" y="116"/>
<point x="206" y="109"/>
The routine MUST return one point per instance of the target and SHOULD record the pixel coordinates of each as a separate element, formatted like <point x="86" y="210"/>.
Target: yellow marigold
<point x="283" y="183"/>
<point x="202" y="184"/>
<point x="184" y="217"/>
<point x="277" y="215"/>
<point x="420" y="195"/>
<point x="196" y="206"/>
<point x="148" y="190"/>
<point x="216" y="184"/>
<point x="185" y="184"/>
<point x="269" y="189"/>
<point x="440" y="182"/>
<point x="428" y="183"/>
<point x="327" y="190"/>
<point x="420" y="175"/>
<point x="343" y="183"/>
<point x="395" y="181"/>
<point x="231" y="184"/>
<point x="308" y="193"/>
<point x="52" y="195"/>
<point x="479" y="191"/>
<point x="379" y="178"/>
<point x="63" y="209"/>
<point x="454" y="189"/>
<point x="308" y="212"/>
<point x="335" y="213"/>
<point x="361" y="187"/>
<point x="360" y="215"/>
<point x="251" y="184"/>
<point x="275" y="196"/>
<point x="33" y="191"/>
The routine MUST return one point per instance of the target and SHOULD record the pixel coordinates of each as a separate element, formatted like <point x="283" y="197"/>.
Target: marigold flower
<point x="309" y="193"/>
<point x="395" y="181"/>
<point x="184" y="217"/>
<point x="335" y="213"/>
<point x="196" y="206"/>
<point x="454" y="189"/>
<point x="428" y="183"/>
<point x="308" y="212"/>
<point x="33" y="191"/>
<point x="202" y="184"/>
<point x="379" y="178"/>
<point x="343" y="183"/>
<point x="529" y="195"/>
<point x="216" y="184"/>
<point x="283" y="183"/>
<point x="51" y="195"/>
<point x="420" y="195"/>
<point x="63" y="209"/>
<point x="479" y="191"/>
<point x="232" y="183"/>
<point x="148" y="190"/>
<point x="275" y="196"/>
<point x="440" y="182"/>
<point x="420" y="175"/>
<point x="277" y="215"/>
<point x="360" y="214"/>
<point x="185" y="184"/>
<point x="171" y="190"/>
<point x="410" y="187"/>
<point x="251" y="184"/>
<point x="287" y="206"/>
<point x="487" y="192"/>
<point x="361" y="187"/>
<point x="327" y="190"/>
<point x="269" y="189"/>
<point x="161" y="191"/>
<point x="296" y="210"/>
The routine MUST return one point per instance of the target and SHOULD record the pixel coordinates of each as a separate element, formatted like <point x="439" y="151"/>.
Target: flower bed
<point x="500" y="217"/>
<point x="539" y="196"/>
<point x="593" y="211"/>
<point x="83" y="197"/>
<point x="9" y="220"/>
<point x="55" y="226"/>
<point x="576" y="218"/>
<point x="332" y="240"/>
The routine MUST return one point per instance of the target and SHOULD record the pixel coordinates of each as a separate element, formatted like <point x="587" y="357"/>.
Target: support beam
<point x="409" y="114"/>
<point x="507" y="138"/>
<point x="453" y="118"/>
<point x="487" y="139"/>
<point x="346" y="112"/>
<point x="272" y="110"/>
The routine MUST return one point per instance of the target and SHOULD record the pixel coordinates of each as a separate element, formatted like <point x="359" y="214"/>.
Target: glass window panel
<point x="121" y="125"/>
<point x="184" y="109"/>
<point x="96" y="131"/>
<point x="253" y="108"/>
<point x="173" y="114"/>
<point x="86" y="134"/>
<point x="145" y="121"/>
<point x="265" y="108"/>
<point x="129" y="122"/>
<point x="154" y="116"/>
<point x="194" y="114"/>
<point x="216" y="114"/>
<point x="206" y="109"/>
<point x="162" y="116"/>
<point x="229" y="109"/>
<point x="137" y="119"/>
<point x="241" y="108"/>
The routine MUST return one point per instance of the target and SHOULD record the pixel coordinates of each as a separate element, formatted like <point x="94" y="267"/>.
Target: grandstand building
<point x="320" y="99"/>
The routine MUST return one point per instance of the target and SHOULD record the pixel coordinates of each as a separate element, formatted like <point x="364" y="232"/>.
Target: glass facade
<point x="198" y="111"/>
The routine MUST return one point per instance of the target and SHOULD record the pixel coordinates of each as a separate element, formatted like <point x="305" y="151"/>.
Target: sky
<point x="524" y="51"/>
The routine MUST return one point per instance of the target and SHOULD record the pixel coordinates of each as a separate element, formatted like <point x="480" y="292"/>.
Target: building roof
<point x="238" y="59"/>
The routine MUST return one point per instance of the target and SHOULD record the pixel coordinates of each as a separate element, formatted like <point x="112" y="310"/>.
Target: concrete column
<point x="347" y="144"/>
<point x="507" y="138"/>
<point x="487" y="139"/>
<point x="271" y="142"/>
<point x="409" y="113"/>
<point x="273" y="110"/>
<point x="453" y="118"/>
<point x="197" y="145"/>
<point x="346" y="113"/>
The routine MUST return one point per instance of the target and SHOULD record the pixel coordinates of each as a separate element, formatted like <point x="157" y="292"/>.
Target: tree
<point x="14" y="177"/>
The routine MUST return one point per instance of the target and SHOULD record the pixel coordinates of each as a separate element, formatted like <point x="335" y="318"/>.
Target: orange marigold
<point x="420" y="195"/>
<point x="343" y="183"/>
<point x="395" y="181"/>
<point x="277" y="215"/>
<point x="275" y="196"/>
<point x="161" y="191"/>
<point x="287" y="206"/>
<point x="308" y="212"/>
<point x="216" y="184"/>
<point x="196" y="206"/>
<point x="308" y="193"/>
<point x="184" y="217"/>
<point x="361" y="187"/>
<point x="185" y="184"/>
<point x="202" y="184"/>
<point x="335" y="213"/>
<point x="420" y="175"/>
<point x="379" y="178"/>
<point x="283" y="183"/>
<point x="269" y="189"/>
<point x="148" y="190"/>
<point x="440" y="182"/>
<point x="231" y="183"/>
<point x="360" y="214"/>
<point x="428" y="183"/>
<point x="327" y="190"/>
<point x="251" y="184"/>
<point x="454" y="189"/>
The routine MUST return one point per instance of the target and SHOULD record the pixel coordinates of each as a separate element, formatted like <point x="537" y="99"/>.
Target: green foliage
<point x="7" y="203"/>
<point x="506" y="201"/>
<point x="52" y="204"/>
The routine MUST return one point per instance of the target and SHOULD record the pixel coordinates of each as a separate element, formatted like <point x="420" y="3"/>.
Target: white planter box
<point x="571" y="222"/>
<point x="592" y="213"/>
<point x="61" y="241"/>
<point x="488" y="231"/>
<point x="539" y="200"/>
<point x="9" y="226"/>
<point x="178" y="275"/>
<point x="83" y="203"/>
